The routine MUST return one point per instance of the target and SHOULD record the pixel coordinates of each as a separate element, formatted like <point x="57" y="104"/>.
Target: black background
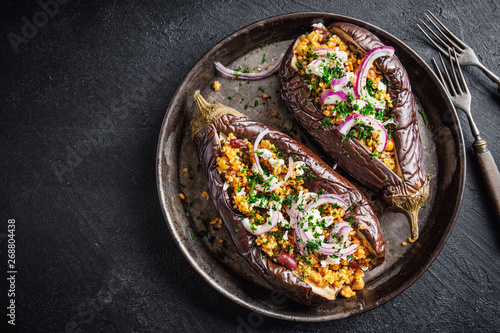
<point x="81" y="112"/>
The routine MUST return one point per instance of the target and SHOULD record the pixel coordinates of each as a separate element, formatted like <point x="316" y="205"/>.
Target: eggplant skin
<point x="280" y="277"/>
<point x="370" y="172"/>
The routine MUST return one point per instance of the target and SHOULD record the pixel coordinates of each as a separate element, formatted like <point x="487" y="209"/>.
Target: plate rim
<point x="163" y="136"/>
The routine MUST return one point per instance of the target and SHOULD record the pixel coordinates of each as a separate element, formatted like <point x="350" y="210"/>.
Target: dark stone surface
<point x="82" y="104"/>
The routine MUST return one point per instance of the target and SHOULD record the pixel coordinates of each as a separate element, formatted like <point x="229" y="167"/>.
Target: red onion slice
<point x="270" y="188"/>
<point x="301" y="239"/>
<point x="266" y="227"/>
<point x="364" y="68"/>
<point x="341" y="230"/>
<point x="255" y="147"/>
<point x="338" y="249"/>
<point x="323" y="51"/>
<point x="249" y="76"/>
<point x="339" y="83"/>
<point x="337" y="227"/>
<point x="327" y="199"/>
<point x="348" y="250"/>
<point x="299" y="243"/>
<point x="332" y="97"/>
<point x="345" y="126"/>
<point x="294" y="209"/>
<point x="343" y="234"/>
<point x="341" y="55"/>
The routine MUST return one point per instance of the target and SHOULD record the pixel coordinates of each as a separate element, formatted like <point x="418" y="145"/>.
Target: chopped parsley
<point x="326" y="121"/>
<point x="424" y="116"/>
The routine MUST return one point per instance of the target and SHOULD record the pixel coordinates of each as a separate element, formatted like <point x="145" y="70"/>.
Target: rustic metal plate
<point x="210" y="250"/>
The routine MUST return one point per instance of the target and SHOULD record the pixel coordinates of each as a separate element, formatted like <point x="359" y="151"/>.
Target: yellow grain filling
<point x="235" y="163"/>
<point x="304" y="54"/>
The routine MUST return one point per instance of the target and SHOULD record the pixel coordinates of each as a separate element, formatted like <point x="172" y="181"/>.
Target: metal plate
<point x="210" y="251"/>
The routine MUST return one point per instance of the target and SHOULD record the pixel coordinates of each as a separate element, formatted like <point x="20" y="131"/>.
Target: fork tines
<point x="450" y="40"/>
<point x="460" y="97"/>
<point x="456" y="83"/>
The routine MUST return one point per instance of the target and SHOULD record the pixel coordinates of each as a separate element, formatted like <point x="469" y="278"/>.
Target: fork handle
<point x="490" y="74"/>
<point x="490" y="172"/>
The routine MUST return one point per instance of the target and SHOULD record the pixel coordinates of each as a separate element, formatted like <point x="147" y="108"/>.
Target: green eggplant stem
<point x="208" y="113"/>
<point x="410" y="204"/>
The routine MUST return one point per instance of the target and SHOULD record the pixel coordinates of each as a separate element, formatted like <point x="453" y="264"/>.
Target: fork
<point x="461" y="99"/>
<point x="465" y="55"/>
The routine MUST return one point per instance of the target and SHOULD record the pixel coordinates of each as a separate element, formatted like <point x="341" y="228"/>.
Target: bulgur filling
<point x="306" y="232"/>
<point x="330" y="68"/>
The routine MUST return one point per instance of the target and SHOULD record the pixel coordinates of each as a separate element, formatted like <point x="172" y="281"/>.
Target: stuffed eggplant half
<point x="353" y="96"/>
<point x="308" y="231"/>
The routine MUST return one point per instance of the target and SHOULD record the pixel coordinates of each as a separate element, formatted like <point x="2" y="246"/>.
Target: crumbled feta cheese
<point x="341" y="56"/>
<point x="359" y="103"/>
<point x="350" y="75"/>
<point x="329" y="220"/>
<point x="261" y="203"/>
<point x="299" y="169"/>
<point x="276" y="163"/>
<point x="226" y="186"/>
<point x="254" y="168"/>
<point x="317" y="67"/>
<point x="265" y="154"/>
<point x="311" y="218"/>
<point x="316" y="215"/>
<point x="285" y="235"/>
<point x="330" y="261"/>
<point x="318" y="25"/>
<point x="381" y="86"/>
<point x="242" y="192"/>
<point x="273" y="181"/>
<point x="283" y="222"/>
<point x="274" y="208"/>
<point x="345" y="89"/>
<point x="364" y="268"/>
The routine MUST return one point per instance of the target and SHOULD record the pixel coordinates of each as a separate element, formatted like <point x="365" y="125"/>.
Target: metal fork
<point x="461" y="98"/>
<point x="465" y="55"/>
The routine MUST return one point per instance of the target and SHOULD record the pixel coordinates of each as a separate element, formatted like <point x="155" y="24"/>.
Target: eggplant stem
<point x="201" y="103"/>
<point x="410" y="204"/>
<point x="208" y="113"/>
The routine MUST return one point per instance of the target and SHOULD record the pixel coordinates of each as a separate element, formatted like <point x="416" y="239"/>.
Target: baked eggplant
<point x="353" y="96"/>
<point x="307" y="230"/>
